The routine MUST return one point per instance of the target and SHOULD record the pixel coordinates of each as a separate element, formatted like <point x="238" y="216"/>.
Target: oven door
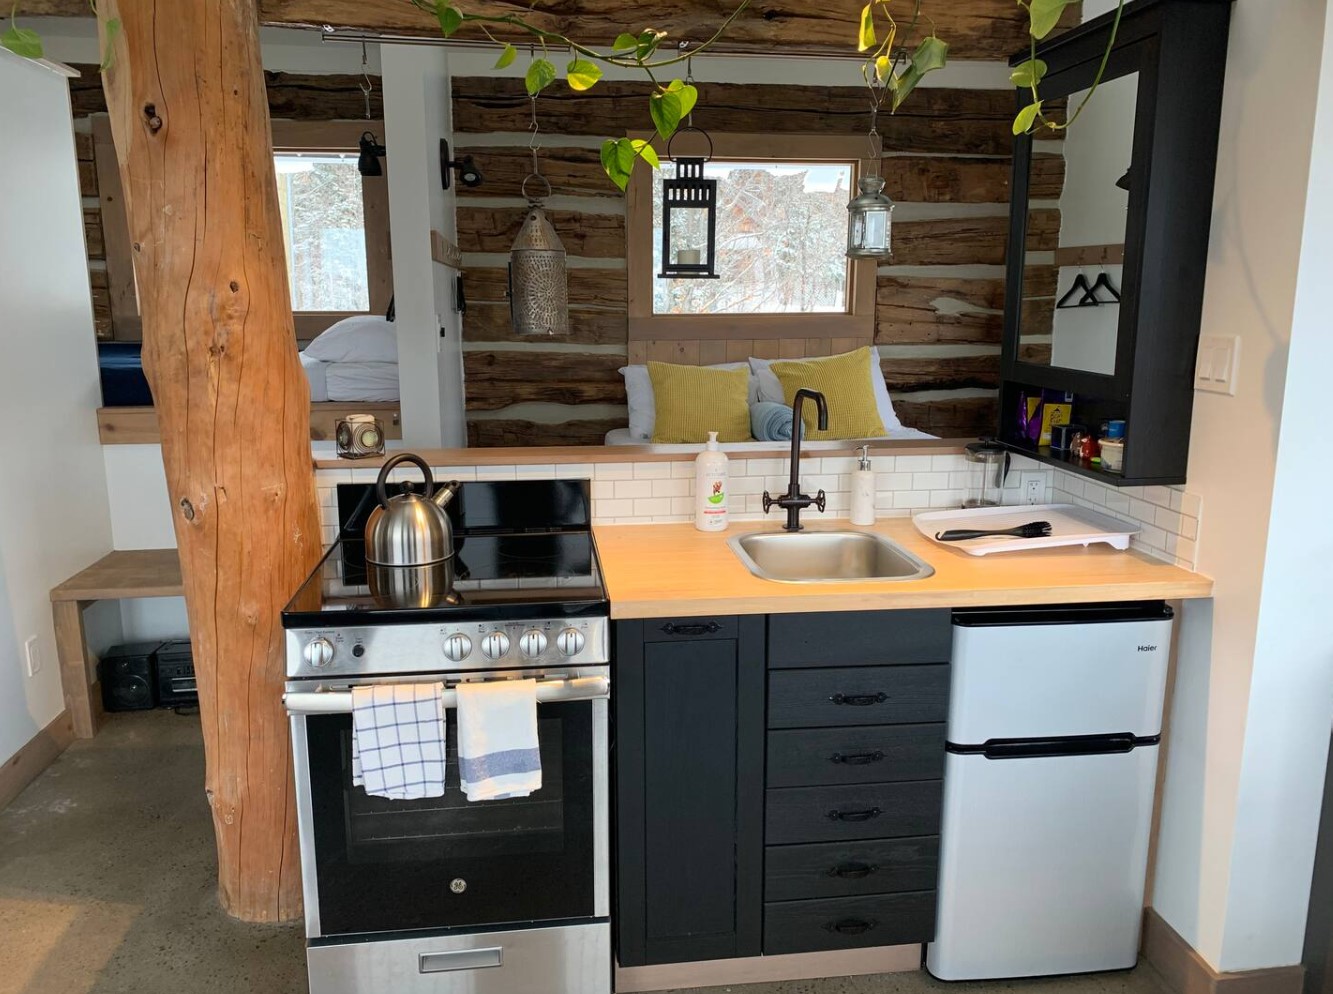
<point x="372" y="865"/>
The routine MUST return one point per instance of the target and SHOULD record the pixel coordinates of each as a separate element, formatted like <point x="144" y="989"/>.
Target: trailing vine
<point x="891" y="66"/>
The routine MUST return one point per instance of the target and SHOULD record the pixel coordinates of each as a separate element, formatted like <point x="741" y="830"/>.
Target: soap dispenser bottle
<point x="710" y="487"/>
<point x="863" y="491"/>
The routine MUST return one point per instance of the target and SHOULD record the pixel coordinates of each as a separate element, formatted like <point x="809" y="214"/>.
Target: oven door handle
<point x="588" y="688"/>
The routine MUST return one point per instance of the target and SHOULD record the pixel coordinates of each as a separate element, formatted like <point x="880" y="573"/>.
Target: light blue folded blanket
<point x="770" y="421"/>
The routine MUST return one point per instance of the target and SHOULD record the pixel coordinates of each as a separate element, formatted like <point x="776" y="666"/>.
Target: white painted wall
<point x="1250" y="720"/>
<point x="54" y="515"/>
<point x="417" y="114"/>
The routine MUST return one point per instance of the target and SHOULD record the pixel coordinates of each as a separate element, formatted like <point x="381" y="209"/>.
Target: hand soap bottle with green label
<point x="710" y="487"/>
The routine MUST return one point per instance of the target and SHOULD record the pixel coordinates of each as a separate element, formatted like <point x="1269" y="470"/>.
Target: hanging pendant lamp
<point x="538" y="278"/>
<point x="870" y="214"/>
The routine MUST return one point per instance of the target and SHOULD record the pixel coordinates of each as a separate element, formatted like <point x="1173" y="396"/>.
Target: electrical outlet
<point x="1035" y="491"/>
<point x="34" y="654"/>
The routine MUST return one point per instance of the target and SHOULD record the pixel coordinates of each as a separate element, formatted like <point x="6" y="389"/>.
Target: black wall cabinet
<point x="1136" y="210"/>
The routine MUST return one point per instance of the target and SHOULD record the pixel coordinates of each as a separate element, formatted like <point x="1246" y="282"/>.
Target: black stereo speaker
<point x="128" y="679"/>
<point x="174" y="664"/>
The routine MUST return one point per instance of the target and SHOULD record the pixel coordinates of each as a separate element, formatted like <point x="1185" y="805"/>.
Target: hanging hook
<point x="534" y="147"/>
<point x="365" y="77"/>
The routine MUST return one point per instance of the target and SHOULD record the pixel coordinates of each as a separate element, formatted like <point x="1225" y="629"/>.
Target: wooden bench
<point x="120" y="575"/>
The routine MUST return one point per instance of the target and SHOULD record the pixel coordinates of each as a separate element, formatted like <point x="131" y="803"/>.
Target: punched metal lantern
<point x="538" y="281"/>
<point x="689" y="223"/>
<point x="870" y="221"/>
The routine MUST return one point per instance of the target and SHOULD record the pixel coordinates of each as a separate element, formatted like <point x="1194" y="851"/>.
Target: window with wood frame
<point x="335" y="226"/>
<point x="781" y="245"/>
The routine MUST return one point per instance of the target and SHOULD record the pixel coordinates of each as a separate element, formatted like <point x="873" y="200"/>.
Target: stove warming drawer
<point x="567" y="958"/>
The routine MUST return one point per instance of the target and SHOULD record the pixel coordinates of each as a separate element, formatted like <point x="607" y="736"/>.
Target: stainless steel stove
<point x="442" y="895"/>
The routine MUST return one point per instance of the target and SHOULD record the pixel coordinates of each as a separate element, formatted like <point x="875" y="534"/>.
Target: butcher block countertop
<point x="665" y="571"/>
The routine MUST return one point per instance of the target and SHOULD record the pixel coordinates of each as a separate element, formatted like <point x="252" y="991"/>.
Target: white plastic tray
<point x="1070" y="525"/>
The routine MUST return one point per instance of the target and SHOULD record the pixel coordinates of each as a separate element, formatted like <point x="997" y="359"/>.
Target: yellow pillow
<point x="691" y="401"/>
<point x="844" y="380"/>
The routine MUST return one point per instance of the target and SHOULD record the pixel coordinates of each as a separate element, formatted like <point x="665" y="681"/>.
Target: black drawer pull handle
<point x="852" y="871"/>
<point x="859" y="700"/>
<point x="712" y="628"/>
<point x="857" y="758"/>
<point x="836" y="815"/>
<point x="851" y="926"/>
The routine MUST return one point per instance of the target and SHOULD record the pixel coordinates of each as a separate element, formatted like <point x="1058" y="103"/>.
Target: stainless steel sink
<point x="826" y="557"/>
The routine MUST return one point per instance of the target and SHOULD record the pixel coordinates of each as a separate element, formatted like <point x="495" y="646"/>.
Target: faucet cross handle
<point x="821" y="500"/>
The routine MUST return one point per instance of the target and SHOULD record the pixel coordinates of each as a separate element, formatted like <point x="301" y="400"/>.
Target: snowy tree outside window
<point x="324" y="231"/>
<point x="781" y="241"/>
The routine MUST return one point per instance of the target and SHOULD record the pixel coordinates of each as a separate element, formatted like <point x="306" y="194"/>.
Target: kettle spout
<point x="443" y="495"/>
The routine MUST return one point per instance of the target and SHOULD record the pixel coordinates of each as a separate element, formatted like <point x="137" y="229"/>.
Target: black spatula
<point x="1033" y="529"/>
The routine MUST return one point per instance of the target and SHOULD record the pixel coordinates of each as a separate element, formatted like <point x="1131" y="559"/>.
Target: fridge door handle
<point x="1048" y="748"/>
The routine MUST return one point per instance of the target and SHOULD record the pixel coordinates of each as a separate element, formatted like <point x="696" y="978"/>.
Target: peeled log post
<point x="190" y="121"/>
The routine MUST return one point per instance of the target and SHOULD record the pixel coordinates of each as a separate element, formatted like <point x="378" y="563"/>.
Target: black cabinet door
<point x="689" y="741"/>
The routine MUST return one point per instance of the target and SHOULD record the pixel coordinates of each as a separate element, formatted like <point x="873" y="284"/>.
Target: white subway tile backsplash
<point x="672" y="488"/>
<point x="911" y="498"/>
<point x="652" y="507"/>
<point x="685" y="469"/>
<point x="946" y="464"/>
<point x="1168" y="517"/>
<point x="914" y="464"/>
<point x="603" y="489"/>
<point x="652" y="470"/>
<point x="534" y="472"/>
<point x="634" y="488"/>
<point x="930" y="481"/>
<point x="617" y="471"/>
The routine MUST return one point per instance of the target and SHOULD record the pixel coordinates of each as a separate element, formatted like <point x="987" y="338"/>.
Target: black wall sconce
<point x="468" y="172"/>
<point x="368" y="162"/>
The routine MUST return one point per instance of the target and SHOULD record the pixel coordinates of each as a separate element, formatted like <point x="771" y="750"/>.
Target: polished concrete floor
<point x="107" y="887"/>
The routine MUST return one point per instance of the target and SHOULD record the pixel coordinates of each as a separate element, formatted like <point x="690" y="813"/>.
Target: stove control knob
<point x="532" y="643"/>
<point x="571" y="641"/>
<point x="457" y="648"/>
<point x="318" y="653"/>
<point x="495" y="645"/>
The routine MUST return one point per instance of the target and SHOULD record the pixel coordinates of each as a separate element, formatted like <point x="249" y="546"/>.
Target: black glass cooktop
<point x="544" y="566"/>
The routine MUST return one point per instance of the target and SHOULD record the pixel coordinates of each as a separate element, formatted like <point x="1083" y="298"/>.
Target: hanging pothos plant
<point x="892" y="67"/>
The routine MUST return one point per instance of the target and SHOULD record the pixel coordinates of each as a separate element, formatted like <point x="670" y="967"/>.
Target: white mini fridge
<point x="1055" y="717"/>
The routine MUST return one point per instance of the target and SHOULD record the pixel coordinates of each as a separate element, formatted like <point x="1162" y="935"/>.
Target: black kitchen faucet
<point x="793" y="501"/>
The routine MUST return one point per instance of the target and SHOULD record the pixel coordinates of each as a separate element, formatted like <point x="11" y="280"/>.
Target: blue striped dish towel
<point x="398" y="744"/>
<point x="770" y="421"/>
<point x="498" y="751"/>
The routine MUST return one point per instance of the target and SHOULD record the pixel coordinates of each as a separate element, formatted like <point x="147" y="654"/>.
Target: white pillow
<point x="770" y="389"/>
<point x="643" y="406"/>
<point x="363" y="338"/>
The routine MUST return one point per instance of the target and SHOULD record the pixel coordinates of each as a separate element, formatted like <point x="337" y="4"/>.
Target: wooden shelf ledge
<point x="138" y="425"/>
<point x="128" y="573"/>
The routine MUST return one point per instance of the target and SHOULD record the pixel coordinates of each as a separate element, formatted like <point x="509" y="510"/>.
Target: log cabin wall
<point x="938" y="303"/>
<point x="291" y="97"/>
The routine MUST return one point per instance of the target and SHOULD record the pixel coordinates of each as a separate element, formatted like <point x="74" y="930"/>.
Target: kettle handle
<point x="403" y="457"/>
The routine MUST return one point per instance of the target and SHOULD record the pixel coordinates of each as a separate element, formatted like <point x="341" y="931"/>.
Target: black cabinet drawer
<point x="860" y="638"/>
<point x="861" y="695"/>
<point x="861" y="811"/>
<point x="812" y="757"/>
<point x="690" y="629"/>
<point x="848" y="869"/>
<point x="849" y="922"/>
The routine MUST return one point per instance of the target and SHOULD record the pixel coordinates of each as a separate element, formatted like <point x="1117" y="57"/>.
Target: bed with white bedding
<point x="622" y="436"/>
<point x="764" y="391"/>
<point x="354" y="361"/>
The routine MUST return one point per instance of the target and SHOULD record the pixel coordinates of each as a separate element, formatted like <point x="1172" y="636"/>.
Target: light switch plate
<point x="1219" y="359"/>
<point x="34" y="654"/>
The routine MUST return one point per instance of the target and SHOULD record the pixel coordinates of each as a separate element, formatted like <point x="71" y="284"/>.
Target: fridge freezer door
<point x="1053" y="680"/>
<point x="1042" y="864"/>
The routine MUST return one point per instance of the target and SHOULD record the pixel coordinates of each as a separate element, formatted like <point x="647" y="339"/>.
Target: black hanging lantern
<point x="689" y="218"/>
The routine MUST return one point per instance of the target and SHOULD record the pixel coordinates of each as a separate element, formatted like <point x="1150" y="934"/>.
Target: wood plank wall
<point x="291" y="96"/>
<point x="939" y="303"/>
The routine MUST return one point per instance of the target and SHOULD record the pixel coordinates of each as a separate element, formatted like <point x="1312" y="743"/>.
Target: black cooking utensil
<point x="1033" y="529"/>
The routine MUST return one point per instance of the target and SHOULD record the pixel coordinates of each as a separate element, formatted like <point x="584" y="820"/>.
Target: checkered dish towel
<point x="398" y="748"/>
<point x="498" y="752"/>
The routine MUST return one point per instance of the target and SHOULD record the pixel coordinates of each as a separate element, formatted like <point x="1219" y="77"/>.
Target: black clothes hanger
<point x="1103" y="282"/>
<point x="1081" y="285"/>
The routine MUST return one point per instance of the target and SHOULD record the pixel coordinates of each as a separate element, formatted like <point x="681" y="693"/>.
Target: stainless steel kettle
<point x="410" y="529"/>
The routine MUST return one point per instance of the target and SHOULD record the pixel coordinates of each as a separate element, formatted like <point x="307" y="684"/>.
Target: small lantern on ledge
<point x="870" y="214"/>
<point x="689" y="218"/>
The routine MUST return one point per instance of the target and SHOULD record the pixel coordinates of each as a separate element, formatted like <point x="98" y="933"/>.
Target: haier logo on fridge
<point x="1147" y="648"/>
